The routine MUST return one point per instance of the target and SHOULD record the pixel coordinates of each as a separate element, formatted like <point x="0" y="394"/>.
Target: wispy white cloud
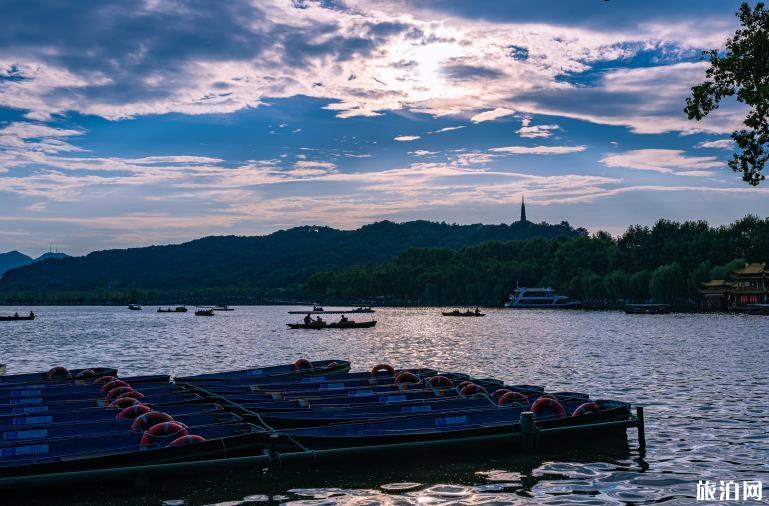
<point x="491" y="115"/>
<point x="406" y="138"/>
<point x="665" y="161"/>
<point x="538" y="150"/>
<point x="717" y="144"/>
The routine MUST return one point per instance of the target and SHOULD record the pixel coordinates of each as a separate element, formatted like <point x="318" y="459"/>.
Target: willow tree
<point x="741" y="71"/>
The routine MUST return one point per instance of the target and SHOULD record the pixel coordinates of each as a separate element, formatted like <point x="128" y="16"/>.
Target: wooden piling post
<point x="528" y="430"/>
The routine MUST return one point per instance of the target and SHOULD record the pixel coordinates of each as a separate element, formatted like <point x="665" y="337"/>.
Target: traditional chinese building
<point x="749" y="285"/>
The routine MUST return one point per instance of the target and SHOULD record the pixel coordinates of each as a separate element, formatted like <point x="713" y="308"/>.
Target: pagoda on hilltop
<point x="523" y="211"/>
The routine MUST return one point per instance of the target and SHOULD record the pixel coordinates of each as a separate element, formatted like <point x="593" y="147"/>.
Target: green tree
<point x="742" y="71"/>
<point x="668" y="283"/>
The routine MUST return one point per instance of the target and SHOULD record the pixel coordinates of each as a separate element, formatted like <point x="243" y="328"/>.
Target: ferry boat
<point x="540" y="298"/>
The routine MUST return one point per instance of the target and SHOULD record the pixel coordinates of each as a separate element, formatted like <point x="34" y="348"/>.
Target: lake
<point x="703" y="379"/>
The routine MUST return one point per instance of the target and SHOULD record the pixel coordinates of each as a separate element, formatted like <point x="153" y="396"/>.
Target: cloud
<point x="538" y="150"/>
<point x="491" y="115"/>
<point x="665" y="161"/>
<point x="537" y="131"/>
<point x="406" y="138"/>
<point x="422" y="152"/>
<point x="447" y="129"/>
<point x="718" y="144"/>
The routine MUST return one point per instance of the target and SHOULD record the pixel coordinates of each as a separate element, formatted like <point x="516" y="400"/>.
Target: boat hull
<point x="334" y="325"/>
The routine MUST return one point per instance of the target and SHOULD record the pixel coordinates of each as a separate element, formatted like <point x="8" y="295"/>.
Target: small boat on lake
<point x="647" y="309"/>
<point x="757" y="309"/>
<point x="316" y="325"/>
<point x="539" y="298"/>
<point x="177" y="309"/>
<point x="134" y="307"/>
<point x="204" y="312"/>
<point x="469" y="313"/>
<point x="223" y="307"/>
<point x="17" y="317"/>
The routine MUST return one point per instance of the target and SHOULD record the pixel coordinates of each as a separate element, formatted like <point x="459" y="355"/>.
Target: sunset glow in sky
<point x="127" y="123"/>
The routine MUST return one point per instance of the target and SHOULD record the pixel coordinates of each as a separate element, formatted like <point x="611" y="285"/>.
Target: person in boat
<point x="16" y="315"/>
<point x="477" y="311"/>
<point x="31" y="314"/>
<point x="319" y="320"/>
<point x="343" y="319"/>
<point x="307" y="319"/>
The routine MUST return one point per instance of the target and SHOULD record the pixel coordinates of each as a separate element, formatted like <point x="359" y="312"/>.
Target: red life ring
<point x="114" y="384"/>
<point x="331" y="365"/>
<point x="124" y="402"/>
<point x="511" y="397"/>
<point x="548" y="402"/>
<point x="131" y="394"/>
<point x="406" y="377"/>
<point x="86" y="373"/>
<point x="390" y="370"/>
<point x="132" y="412"/>
<point x="185" y="440"/>
<point x="163" y="429"/>
<point x="103" y="379"/>
<point x="302" y="364"/>
<point x="115" y="392"/>
<point x="57" y="372"/>
<point x="472" y="389"/>
<point x="440" y="381"/>
<point x="149" y="419"/>
<point x="588" y="407"/>
<point x="499" y="393"/>
<point x="464" y="384"/>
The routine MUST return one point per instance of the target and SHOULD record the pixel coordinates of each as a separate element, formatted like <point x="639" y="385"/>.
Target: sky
<point x="126" y="123"/>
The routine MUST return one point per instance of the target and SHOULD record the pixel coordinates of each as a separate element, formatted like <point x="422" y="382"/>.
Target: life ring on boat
<point x="185" y="440"/>
<point x="548" y="402"/>
<point x="390" y="370"/>
<point x="472" y="389"/>
<point x="330" y="365"/>
<point x="464" y="384"/>
<point x="103" y="379"/>
<point x="86" y="373"/>
<point x="124" y="402"/>
<point x="588" y="407"/>
<point x="440" y="381"/>
<point x="302" y="364"/>
<point x="163" y="429"/>
<point x="132" y="412"/>
<point x="57" y="372"/>
<point x="499" y="392"/>
<point x="406" y="377"/>
<point x="149" y="419"/>
<point x="114" y="384"/>
<point x="511" y="397"/>
<point x="131" y="394"/>
<point x="115" y="392"/>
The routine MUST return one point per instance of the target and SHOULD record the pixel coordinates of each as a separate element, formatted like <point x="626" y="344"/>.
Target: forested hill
<point x="269" y="265"/>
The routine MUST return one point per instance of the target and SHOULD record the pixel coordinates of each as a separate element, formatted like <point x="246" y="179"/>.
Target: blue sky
<point x="128" y="123"/>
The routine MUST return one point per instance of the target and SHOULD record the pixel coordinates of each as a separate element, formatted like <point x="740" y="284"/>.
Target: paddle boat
<point x="134" y="307"/>
<point x="177" y="309"/>
<point x="204" y="312"/>
<point x="467" y="312"/>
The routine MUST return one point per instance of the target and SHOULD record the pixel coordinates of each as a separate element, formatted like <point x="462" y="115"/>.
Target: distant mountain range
<point x="273" y="265"/>
<point x="14" y="259"/>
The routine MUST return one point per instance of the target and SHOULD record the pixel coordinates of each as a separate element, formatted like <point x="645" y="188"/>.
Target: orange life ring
<point x="149" y="419"/>
<point x="57" y="372"/>
<point x="511" y="397"/>
<point x="499" y="392"/>
<point x="103" y="379"/>
<point x="440" y="381"/>
<point x="185" y="440"/>
<point x="114" y="384"/>
<point x="124" y="402"/>
<point x="163" y="429"/>
<point x="472" y="389"/>
<point x="132" y="412"/>
<point x="302" y="364"/>
<point x="548" y="402"/>
<point x="390" y="370"/>
<point x="331" y="365"/>
<point x="115" y="392"/>
<point x="465" y="383"/>
<point x="406" y="377"/>
<point x="588" y="407"/>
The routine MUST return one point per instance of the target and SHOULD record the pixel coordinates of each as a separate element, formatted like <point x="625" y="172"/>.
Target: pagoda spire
<point x="523" y="210"/>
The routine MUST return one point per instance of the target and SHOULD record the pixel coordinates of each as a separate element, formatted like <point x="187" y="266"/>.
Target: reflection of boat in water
<point x="177" y="309"/>
<point x="134" y="307"/>
<point x="204" y="312"/>
<point x="540" y="298"/>
<point x="349" y="324"/>
<point x="223" y="307"/>
<point x="16" y="317"/>
<point x="457" y="312"/>
<point x="647" y="309"/>
<point x="762" y="309"/>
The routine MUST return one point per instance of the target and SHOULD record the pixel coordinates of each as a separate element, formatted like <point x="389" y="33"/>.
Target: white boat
<point x="539" y="298"/>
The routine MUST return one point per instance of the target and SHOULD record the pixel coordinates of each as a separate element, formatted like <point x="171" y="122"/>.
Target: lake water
<point x="704" y="380"/>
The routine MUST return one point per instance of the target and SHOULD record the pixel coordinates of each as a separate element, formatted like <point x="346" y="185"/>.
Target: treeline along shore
<point x="414" y="263"/>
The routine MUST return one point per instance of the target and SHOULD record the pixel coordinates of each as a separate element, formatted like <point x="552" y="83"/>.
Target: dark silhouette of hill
<point x="272" y="264"/>
<point x="14" y="259"/>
